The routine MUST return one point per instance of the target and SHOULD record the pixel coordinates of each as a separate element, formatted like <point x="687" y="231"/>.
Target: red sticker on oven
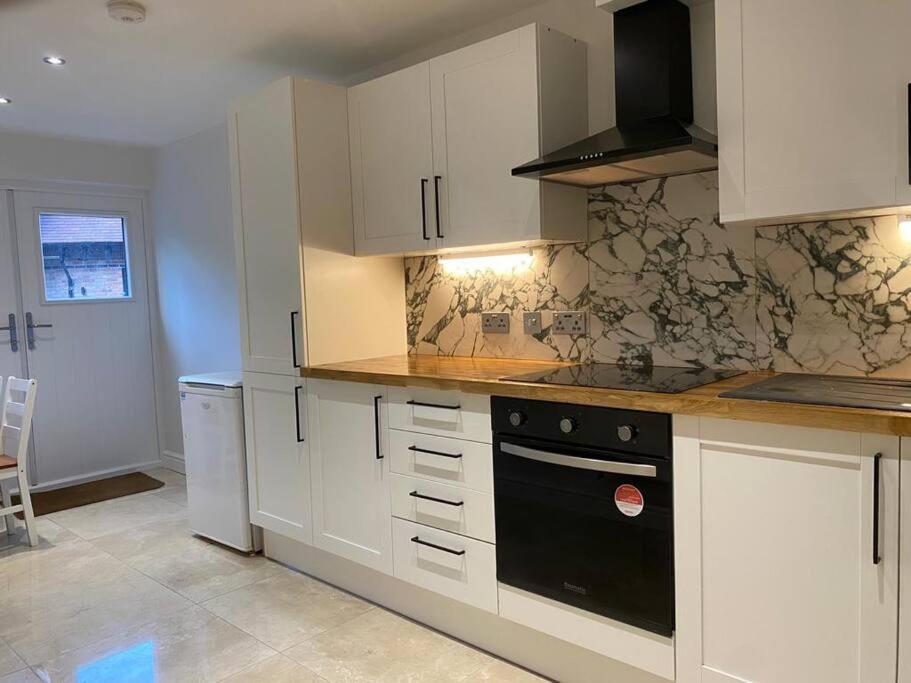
<point x="629" y="500"/>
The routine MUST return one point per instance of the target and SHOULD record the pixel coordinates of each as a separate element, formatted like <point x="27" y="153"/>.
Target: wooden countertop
<point x="482" y="376"/>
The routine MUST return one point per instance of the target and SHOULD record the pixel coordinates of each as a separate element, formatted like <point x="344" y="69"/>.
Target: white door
<point x="12" y="350"/>
<point x="485" y="123"/>
<point x="348" y="445"/>
<point x="88" y="343"/>
<point x="278" y="468"/>
<point x="267" y="230"/>
<point x="779" y="574"/>
<point x="392" y="163"/>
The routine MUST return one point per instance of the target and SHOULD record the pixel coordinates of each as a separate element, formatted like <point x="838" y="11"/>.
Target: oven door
<point x="587" y="528"/>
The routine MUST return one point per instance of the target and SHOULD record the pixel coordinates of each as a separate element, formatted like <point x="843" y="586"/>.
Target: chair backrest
<point x="16" y="416"/>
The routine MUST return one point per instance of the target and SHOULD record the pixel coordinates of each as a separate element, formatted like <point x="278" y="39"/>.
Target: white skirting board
<point x="539" y="652"/>
<point x="173" y="461"/>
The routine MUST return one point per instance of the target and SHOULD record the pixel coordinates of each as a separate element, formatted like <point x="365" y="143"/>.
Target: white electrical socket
<point x="569" y="322"/>
<point x="495" y="323"/>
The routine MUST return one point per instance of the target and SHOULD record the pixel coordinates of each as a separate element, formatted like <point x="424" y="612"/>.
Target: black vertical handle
<point x="436" y="202"/>
<point x="294" y="340"/>
<point x="376" y="425"/>
<point x="909" y="133"/>
<point x="876" y="459"/>
<point x="297" y="414"/>
<point x="424" y="182"/>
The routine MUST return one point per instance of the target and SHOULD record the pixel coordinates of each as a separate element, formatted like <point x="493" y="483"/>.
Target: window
<point x="84" y="257"/>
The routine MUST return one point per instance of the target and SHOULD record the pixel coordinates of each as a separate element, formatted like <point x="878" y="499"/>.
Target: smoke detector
<point x="126" y="11"/>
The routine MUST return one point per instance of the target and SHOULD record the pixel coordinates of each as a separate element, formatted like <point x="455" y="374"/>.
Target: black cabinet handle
<point x="432" y="405"/>
<point x="909" y="133"/>
<point x="436" y="202"/>
<point x="297" y="413"/>
<point x="429" y="452"/>
<point x="415" y="494"/>
<point x="376" y="425"/>
<point x="876" y="556"/>
<point x="417" y="539"/>
<point x="294" y="340"/>
<point x="424" y="182"/>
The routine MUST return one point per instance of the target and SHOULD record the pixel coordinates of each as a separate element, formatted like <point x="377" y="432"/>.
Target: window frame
<point x="127" y="252"/>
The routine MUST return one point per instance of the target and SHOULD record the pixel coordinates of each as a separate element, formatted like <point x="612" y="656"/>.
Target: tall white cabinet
<point x="305" y="299"/>
<point x="433" y="146"/>
<point x="786" y="553"/>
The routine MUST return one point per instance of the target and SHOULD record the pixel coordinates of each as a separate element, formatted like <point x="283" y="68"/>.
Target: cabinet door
<point x="904" y="614"/>
<point x="278" y="467"/>
<point x="392" y="163"/>
<point x="267" y="230"/>
<point x="348" y="446"/>
<point x="902" y="98"/>
<point x="486" y="122"/>
<point x="774" y="553"/>
<point x="808" y="125"/>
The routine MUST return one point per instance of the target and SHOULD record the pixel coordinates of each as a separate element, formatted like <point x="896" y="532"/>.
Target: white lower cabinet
<point x="278" y="467"/>
<point x="779" y="576"/>
<point x="904" y="613"/>
<point x="350" y="471"/>
<point x="461" y="568"/>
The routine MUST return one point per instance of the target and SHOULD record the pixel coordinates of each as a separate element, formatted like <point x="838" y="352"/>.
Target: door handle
<point x="613" y="467"/>
<point x="424" y="182"/>
<point x="436" y="203"/>
<point x="297" y="414"/>
<point x="30" y="327"/>
<point x="13" y="332"/>
<point x="876" y="556"/>
<point x="376" y="425"/>
<point x="294" y="340"/>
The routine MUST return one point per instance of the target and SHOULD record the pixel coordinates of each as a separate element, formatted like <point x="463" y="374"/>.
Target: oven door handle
<point x="580" y="463"/>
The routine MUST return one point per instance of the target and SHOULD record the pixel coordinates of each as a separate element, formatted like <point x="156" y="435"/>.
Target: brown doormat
<point x="46" y="502"/>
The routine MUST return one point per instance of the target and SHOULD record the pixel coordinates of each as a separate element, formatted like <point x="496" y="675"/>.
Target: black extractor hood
<point x="655" y="135"/>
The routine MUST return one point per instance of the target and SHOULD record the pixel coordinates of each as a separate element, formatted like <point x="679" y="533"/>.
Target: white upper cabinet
<point x="352" y="514"/>
<point x="445" y="135"/>
<point x="903" y="97"/>
<point x="392" y="162"/>
<point x="786" y="553"/>
<point x="810" y="107"/>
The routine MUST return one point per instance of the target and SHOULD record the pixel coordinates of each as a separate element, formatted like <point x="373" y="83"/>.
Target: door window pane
<point x="84" y="257"/>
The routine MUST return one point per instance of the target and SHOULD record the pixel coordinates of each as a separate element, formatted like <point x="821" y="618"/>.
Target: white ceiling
<point x="173" y="75"/>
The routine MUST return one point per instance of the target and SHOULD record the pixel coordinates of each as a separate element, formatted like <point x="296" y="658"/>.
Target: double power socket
<point x="565" y="322"/>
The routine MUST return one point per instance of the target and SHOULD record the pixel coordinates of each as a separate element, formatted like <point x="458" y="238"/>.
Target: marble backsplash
<point x="665" y="283"/>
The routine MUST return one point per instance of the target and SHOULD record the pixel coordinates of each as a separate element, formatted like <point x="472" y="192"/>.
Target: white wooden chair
<point x="15" y="428"/>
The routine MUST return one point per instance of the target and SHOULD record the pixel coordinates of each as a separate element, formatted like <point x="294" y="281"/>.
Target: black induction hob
<point x="658" y="379"/>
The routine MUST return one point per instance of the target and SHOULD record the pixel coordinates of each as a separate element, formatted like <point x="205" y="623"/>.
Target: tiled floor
<point x="120" y="591"/>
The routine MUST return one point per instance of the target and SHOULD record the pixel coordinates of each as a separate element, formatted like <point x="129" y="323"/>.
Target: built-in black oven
<point x="584" y="508"/>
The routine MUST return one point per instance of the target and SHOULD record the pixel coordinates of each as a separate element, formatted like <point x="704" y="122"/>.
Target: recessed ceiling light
<point x="53" y="60"/>
<point x="5" y="100"/>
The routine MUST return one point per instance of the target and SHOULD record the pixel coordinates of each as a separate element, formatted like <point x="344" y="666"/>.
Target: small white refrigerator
<point x="212" y="412"/>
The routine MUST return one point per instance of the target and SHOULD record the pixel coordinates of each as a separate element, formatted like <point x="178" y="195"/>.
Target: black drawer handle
<point x="417" y="539"/>
<point x="415" y="494"/>
<point x="433" y="405"/>
<point x="876" y="556"/>
<point x="454" y="456"/>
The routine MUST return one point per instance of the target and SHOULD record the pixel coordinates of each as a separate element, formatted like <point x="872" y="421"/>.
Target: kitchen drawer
<point x="456" y="509"/>
<point x="461" y="568"/>
<point x="431" y="457"/>
<point x="444" y="413"/>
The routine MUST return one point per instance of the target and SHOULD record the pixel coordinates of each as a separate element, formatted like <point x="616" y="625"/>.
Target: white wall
<point x="30" y="158"/>
<point x="197" y="329"/>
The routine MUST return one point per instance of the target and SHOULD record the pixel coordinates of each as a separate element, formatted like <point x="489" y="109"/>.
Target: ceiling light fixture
<point x="54" y="60"/>
<point x="5" y="100"/>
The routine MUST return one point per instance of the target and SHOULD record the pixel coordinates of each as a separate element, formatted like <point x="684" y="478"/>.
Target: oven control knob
<point x="568" y="425"/>
<point x="517" y="418"/>
<point x="626" y="433"/>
